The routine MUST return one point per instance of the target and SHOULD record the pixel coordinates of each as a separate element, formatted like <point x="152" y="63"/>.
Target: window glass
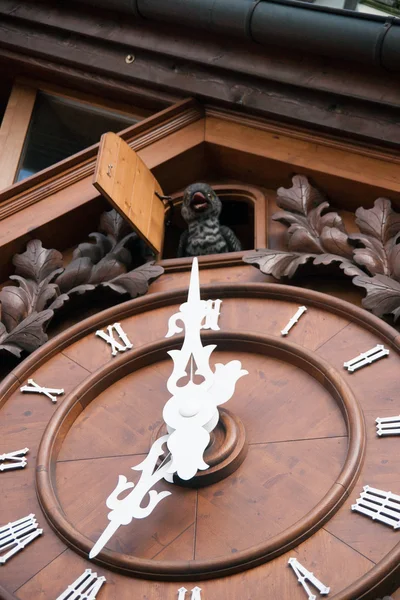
<point x="60" y="127"/>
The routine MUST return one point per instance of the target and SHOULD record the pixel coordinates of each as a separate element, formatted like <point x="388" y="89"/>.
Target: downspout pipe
<point x="369" y="39"/>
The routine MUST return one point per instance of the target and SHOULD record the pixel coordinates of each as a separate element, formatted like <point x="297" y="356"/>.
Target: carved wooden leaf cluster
<point x="371" y="257"/>
<point x="44" y="284"/>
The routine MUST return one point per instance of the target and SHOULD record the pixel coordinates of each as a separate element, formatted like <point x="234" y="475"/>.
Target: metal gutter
<point x="368" y="39"/>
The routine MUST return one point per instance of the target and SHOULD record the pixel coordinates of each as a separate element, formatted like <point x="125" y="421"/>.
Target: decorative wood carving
<point x="44" y="284"/>
<point x="371" y="257"/>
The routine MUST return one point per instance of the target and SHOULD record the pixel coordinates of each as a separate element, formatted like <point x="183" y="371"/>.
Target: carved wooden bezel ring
<point x="387" y="569"/>
<point x="148" y="354"/>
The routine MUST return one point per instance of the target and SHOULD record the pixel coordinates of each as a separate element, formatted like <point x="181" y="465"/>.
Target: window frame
<point x="18" y="114"/>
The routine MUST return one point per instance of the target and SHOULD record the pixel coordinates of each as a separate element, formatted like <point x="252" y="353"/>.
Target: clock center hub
<point x="224" y="454"/>
<point x="190" y="408"/>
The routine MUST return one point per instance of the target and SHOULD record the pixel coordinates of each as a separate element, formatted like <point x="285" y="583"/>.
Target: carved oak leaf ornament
<point x="394" y="258"/>
<point x="336" y="242"/>
<point x="114" y="225"/>
<point x="346" y="265"/>
<point x="108" y="257"/>
<point x="35" y="269"/>
<point x="380" y="222"/>
<point x="75" y="275"/>
<point x="136" y="282"/>
<point x="28" y="335"/>
<point x="371" y="257"/>
<point x="14" y="305"/>
<point x="380" y="228"/>
<point x="278" y="263"/>
<point x="37" y="263"/>
<point x="309" y="229"/>
<point x="44" y="284"/>
<point x="108" y="268"/>
<point x="301" y="197"/>
<point x="93" y="251"/>
<point x="380" y="255"/>
<point x="383" y="294"/>
<point x="312" y="236"/>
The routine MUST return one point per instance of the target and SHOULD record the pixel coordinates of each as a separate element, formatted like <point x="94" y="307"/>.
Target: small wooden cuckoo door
<point x="123" y="178"/>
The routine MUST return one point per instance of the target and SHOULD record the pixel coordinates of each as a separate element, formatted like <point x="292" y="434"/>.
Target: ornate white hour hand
<point x="130" y="507"/>
<point x="192" y="413"/>
<point x="195" y="314"/>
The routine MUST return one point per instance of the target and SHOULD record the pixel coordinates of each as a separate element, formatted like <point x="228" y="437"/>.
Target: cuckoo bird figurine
<point x="201" y="208"/>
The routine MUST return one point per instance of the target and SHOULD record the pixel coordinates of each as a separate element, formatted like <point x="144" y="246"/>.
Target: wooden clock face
<point x="311" y="448"/>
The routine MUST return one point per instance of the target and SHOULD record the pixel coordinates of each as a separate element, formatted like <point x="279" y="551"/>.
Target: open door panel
<point x="123" y="178"/>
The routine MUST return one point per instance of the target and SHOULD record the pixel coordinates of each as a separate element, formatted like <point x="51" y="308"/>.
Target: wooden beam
<point x="13" y="131"/>
<point x="370" y="116"/>
<point x="201" y="47"/>
<point x="301" y="150"/>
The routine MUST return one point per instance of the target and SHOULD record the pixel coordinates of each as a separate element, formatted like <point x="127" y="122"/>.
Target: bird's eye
<point x="209" y="195"/>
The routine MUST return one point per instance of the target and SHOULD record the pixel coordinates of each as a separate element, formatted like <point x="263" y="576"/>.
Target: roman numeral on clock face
<point x="84" y="587"/>
<point x="366" y="358"/>
<point x="213" y="310"/>
<point x="13" y="460"/>
<point x="16" y="535"/>
<point x="196" y="593"/>
<point x="303" y="576"/>
<point x="379" y="506"/>
<point x="116" y="345"/>
<point x="300" y="311"/>
<point x="34" y="388"/>
<point x="388" y="426"/>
